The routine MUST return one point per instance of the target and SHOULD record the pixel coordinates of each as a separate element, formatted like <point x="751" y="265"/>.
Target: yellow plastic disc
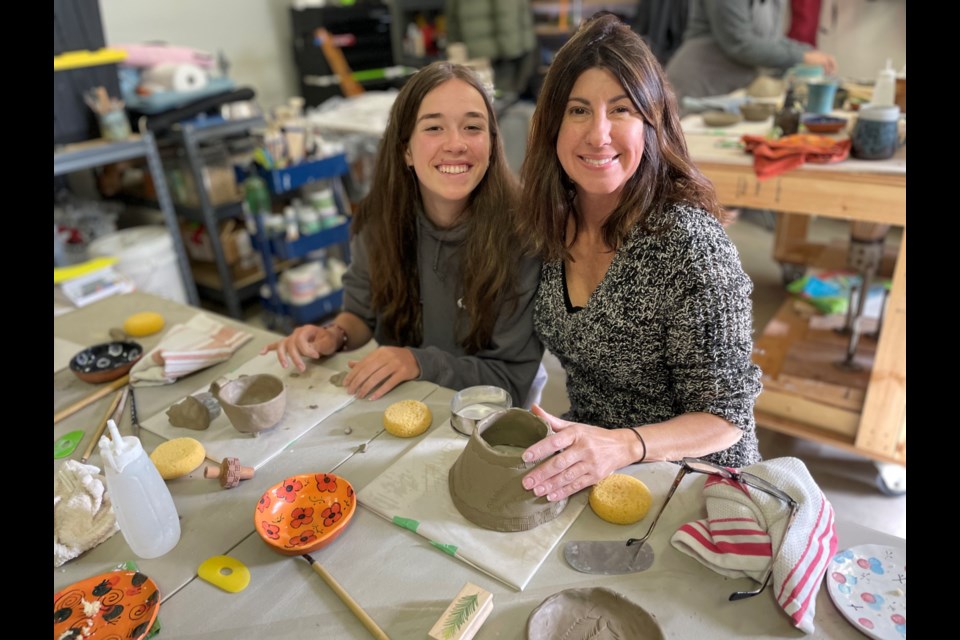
<point x="143" y="324"/>
<point x="225" y="572"/>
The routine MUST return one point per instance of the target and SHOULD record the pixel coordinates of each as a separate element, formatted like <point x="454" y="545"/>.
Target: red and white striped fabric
<point x="744" y="526"/>
<point x="200" y="343"/>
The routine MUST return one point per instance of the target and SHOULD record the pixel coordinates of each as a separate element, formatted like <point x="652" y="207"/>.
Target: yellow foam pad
<point x="178" y="457"/>
<point x="407" y="418"/>
<point x="225" y="572"/>
<point x="620" y="499"/>
<point x="144" y="323"/>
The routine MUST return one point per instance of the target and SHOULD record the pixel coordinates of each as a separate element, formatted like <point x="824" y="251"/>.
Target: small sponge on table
<point x="620" y="499"/>
<point x="407" y="418"/>
<point x="178" y="457"/>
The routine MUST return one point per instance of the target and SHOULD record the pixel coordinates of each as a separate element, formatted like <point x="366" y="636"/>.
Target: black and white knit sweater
<point x="667" y="332"/>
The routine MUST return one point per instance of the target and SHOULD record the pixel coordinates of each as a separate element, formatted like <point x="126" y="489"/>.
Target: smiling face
<point x="600" y="142"/>
<point x="449" y="148"/>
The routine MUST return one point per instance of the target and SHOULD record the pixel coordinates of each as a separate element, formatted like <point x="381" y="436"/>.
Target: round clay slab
<point x="591" y="614"/>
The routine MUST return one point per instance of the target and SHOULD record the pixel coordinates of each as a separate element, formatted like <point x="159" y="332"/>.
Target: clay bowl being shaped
<point x="252" y="403"/>
<point x="471" y="405"/>
<point x="304" y="513"/>
<point x="485" y="481"/>
<point x="824" y="124"/>
<point x="757" y="111"/>
<point x="720" y="118"/>
<point x="105" y="362"/>
<point x="578" y="612"/>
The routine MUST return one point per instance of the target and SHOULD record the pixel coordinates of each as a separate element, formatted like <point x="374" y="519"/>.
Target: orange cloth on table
<point x="773" y="157"/>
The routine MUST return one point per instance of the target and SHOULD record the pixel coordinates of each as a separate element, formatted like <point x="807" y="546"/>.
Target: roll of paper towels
<point x="174" y="77"/>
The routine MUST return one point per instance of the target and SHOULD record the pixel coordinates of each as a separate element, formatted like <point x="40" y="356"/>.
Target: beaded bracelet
<point x="343" y="332"/>
<point x="637" y="433"/>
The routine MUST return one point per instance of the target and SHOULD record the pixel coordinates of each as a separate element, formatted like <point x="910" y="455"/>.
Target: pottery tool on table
<point x="114" y="411"/>
<point x="322" y="505"/>
<point x="93" y="397"/>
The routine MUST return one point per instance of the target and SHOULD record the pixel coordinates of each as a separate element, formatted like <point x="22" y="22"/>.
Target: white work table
<point x="402" y="581"/>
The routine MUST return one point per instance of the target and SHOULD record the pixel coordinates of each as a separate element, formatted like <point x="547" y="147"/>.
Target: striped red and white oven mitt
<point x="199" y="343"/>
<point x="744" y="526"/>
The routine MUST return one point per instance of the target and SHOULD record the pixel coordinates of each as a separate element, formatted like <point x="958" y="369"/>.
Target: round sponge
<point x="178" y="457"/>
<point x="620" y="499"/>
<point x="407" y="418"/>
<point x="144" y="323"/>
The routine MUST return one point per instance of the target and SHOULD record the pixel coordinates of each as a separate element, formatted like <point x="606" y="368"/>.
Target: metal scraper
<point x="608" y="557"/>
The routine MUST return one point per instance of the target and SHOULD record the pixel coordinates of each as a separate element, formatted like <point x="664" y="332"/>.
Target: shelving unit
<point x="95" y="153"/>
<point x="403" y="12"/>
<point x="216" y="283"/>
<point x="274" y="248"/>
<point x="362" y="32"/>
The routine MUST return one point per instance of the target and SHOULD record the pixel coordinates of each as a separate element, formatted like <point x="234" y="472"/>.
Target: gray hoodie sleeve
<point x="732" y="26"/>
<point x="513" y="358"/>
<point x="356" y="284"/>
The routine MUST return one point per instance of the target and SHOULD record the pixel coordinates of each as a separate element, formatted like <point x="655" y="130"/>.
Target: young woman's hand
<point x="586" y="455"/>
<point x="309" y="340"/>
<point x="380" y="371"/>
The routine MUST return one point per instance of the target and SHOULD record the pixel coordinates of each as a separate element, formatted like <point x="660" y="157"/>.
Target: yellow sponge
<point x="620" y="499"/>
<point x="178" y="457"/>
<point x="407" y="418"/>
<point x="144" y="323"/>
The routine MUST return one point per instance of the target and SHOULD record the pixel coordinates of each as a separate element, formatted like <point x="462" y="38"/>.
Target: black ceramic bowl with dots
<point x="106" y="362"/>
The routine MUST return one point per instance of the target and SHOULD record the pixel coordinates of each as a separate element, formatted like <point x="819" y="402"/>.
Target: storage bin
<point x="219" y="178"/>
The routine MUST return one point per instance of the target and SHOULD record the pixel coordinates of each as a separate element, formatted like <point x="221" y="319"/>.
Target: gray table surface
<point x="402" y="582"/>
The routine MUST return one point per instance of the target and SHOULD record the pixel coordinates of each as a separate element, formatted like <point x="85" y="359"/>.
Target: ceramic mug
<point x="820" y="97"/>
<point x="876" y="135"/>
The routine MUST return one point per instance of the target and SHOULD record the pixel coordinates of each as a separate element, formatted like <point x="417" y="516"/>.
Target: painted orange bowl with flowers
<point x="305" y="512"/>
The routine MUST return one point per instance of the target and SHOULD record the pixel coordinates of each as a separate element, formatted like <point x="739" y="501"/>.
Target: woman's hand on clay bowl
<point x="585" y="456"/>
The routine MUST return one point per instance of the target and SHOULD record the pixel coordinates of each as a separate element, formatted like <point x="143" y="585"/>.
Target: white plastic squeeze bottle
<point x="885" y="88"/>
<point x="141" y="500"/>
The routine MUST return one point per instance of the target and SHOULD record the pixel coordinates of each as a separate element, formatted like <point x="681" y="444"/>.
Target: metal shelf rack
<point x="95" y="153"/>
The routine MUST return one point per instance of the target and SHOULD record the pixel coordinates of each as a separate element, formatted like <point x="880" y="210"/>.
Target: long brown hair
<point x="388" y="215"/>
<point x="666" y="174"/>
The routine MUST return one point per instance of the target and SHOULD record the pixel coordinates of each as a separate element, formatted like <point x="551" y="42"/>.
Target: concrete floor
<point x="848" y="480"/>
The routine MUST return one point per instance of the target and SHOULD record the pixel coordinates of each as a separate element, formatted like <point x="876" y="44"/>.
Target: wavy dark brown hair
<point x="388" y="216"/>
<point x="666" y="174"/>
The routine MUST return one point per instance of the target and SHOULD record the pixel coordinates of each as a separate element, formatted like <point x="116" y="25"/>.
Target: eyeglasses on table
<point x="696" y="465"/>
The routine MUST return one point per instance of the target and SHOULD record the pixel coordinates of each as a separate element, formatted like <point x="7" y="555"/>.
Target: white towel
<point x="82" y="514"/>
<point x="744" y="527"/>
<point x="200" y="343"/>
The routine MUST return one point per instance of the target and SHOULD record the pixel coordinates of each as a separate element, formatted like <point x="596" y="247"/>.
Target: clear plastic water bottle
<point x="141" y="500"/>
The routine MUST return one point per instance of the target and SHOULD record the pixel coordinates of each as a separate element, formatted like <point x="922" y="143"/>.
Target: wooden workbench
<point x="855" y="190"/>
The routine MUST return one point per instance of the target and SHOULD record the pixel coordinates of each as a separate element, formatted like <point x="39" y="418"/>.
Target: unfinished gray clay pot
<point x="194" y="412"/>
<point x="486" y="480"/>
<point x="252" y="403"/>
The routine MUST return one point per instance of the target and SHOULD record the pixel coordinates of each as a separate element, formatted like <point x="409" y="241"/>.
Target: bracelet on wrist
<point x="636" y="432"/>
<point x="344" y="338"/>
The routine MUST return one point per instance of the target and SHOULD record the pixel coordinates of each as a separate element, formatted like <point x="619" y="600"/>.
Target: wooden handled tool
<point x="93" y="397"/>
<point x="362" y="615"/>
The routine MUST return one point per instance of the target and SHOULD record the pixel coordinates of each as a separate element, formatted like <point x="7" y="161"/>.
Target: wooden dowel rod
<point x="362" y="615"/>
<point x="93" y="397"/>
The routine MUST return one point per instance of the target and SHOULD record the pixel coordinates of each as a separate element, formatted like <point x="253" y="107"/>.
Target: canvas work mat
<point x="63" y="352"/>
<point x="310" y="399"/>
<point x="413" y="493"/>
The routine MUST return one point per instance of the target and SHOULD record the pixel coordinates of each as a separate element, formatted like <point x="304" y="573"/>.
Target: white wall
<point x="864" y="34"/>
<point x="254" y="35"/>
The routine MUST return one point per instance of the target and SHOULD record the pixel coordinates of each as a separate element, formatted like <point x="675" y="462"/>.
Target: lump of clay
<point x="486" y="480"/>
<point x="765" y="87"/>
<point x="194" y="412"/>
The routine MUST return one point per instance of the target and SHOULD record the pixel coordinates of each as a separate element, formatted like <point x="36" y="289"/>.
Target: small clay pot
<point x="757" y="111"/>
<point x="485" y="481"/>
<point x="252" y="403"/>
<point x="720" y="118"/>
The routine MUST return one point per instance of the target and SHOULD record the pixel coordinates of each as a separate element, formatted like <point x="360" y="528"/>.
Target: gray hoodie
<point x="511" y="361"/>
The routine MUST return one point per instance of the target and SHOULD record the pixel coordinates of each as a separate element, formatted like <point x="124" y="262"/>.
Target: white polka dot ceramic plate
<point x="868" y="584"/>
